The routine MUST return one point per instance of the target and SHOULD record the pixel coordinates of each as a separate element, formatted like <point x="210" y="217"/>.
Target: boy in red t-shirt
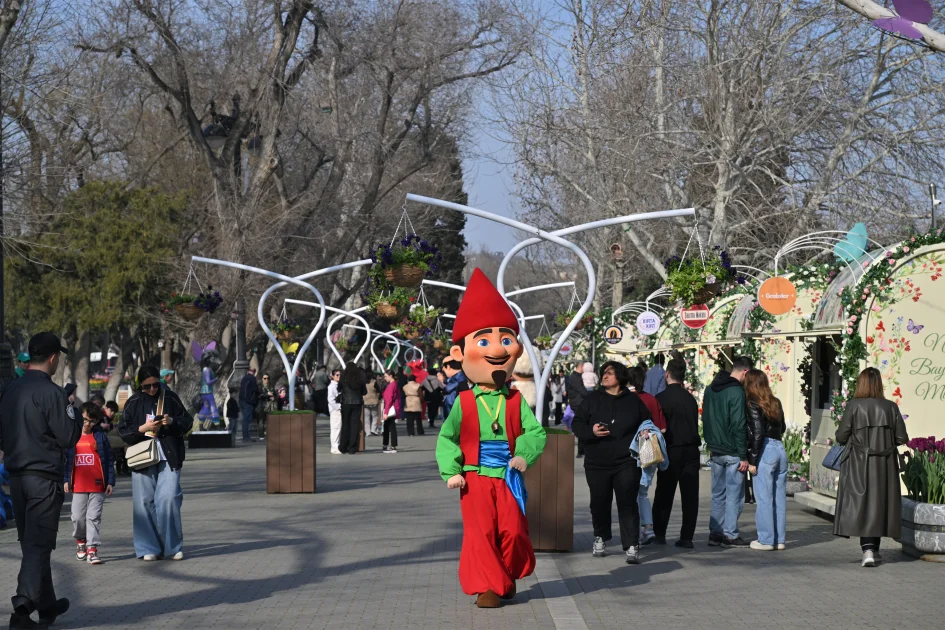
<point x="90" y="476"/>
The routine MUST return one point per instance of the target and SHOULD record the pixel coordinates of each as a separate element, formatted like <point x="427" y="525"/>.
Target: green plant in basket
<point x="342" y="345"/>
<point x="410" y="329"/>
<point x="421" y="314"/>
<point x="404" y="262"/>
<point x="285" y="326"/>
<point x="544" y="342"/>
<point x="694" y="281"/>
<point x="564" y="318"/>
<point x="398" y="297"/>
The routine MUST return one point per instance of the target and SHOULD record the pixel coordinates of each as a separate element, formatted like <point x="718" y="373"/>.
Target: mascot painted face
<point x="485" y="334"/>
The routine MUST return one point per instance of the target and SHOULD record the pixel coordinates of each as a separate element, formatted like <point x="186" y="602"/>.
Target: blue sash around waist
<point x="495" y="454"/>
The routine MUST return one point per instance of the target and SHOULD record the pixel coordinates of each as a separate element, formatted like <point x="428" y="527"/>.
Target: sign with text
<point x="648" y="323"/>
<point x="696" y="316"/>
<point x="613" y="335"/>
<point x="777" y="295"/>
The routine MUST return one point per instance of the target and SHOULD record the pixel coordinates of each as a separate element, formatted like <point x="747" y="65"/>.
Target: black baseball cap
<point x="45" y="344"/>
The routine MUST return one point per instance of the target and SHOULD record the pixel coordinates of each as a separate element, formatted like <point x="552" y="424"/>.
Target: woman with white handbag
<point x="153" y="424"/>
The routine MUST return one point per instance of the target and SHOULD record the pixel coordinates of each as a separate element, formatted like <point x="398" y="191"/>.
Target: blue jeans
<point x="728" y="495"/>
<point x="646" y="508"/>
<point x="247" y="411"/>
<point x="156" y="501"/>
<point x="771" y="493"/>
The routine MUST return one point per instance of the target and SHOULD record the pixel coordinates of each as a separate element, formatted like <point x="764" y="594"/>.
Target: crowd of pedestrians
<point x="637" y="427"/>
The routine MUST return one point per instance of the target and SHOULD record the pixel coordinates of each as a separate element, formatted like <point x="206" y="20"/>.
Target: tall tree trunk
<point x="81" y="367"/>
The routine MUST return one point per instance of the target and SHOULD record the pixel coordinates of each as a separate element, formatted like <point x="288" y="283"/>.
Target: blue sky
<point x="488" y="172"/>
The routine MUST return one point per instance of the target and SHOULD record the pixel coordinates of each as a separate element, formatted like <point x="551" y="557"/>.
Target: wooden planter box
<point x="550" y="485"/>
<point x="290" y="452"/>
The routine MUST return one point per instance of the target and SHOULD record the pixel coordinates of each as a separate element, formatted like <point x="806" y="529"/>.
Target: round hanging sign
<point x="777" y="295"/>
<point x="696" y="316"/>
<point x="648" y="323"/>
<point x="565" y="350"/>
<point x="613" y="335"/>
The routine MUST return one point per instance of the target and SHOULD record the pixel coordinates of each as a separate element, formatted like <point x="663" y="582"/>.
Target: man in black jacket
<point x="682" y="443"/>
<point x="249" y="398"/>
<point x="607" y="421"/>
<point x="575" y="391"/>
<point x="35" y="430"/>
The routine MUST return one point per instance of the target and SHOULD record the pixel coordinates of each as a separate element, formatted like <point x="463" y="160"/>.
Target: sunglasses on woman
<point x="150" y="386"/>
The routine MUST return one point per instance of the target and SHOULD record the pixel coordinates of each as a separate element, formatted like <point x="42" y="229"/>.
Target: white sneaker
<point x="335" y="451"/>
<point x="781" y="547"/>
<point x="868" y="559"/>
<point x="758" y="546"/>
<point x="598" y="551"/>
<point x="647" y="536"/>
<point x="149" y="557"/>
<point x="178" y="556"/>
<point x="392" y="451"/>
<point x="633" y="555"/>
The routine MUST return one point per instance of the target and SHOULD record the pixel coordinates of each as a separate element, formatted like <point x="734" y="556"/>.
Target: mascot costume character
<point x="488" y="440"/>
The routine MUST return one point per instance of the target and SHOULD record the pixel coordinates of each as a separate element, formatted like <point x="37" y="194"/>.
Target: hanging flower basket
<point x="407" y="276"/>
<point x="285" y="329"/>
<point x="439" y="344"/>
<point x="694" y="281"/>
<point x="707" y="292"/>
<point x="413" y="335"/>
<point x="386" y="310"/>
<point x="388" y="302"/>
<point x="189" y="312"/>
<point x="404" y="263"/>
<point x="543" y="342"/>
<point x="192" y="307"/>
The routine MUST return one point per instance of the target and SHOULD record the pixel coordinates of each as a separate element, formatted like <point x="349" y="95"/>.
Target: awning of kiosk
<point x="794" y="334"/>
<point x="707" y="344"/>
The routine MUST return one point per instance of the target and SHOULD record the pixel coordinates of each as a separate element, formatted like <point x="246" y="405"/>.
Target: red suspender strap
<point x="469" y="428"/>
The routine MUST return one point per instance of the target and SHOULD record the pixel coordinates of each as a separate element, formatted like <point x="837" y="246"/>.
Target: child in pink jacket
<point x="391" y="411"/>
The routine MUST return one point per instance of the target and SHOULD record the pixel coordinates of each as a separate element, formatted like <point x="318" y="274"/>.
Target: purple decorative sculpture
<point x="209" y="360"/>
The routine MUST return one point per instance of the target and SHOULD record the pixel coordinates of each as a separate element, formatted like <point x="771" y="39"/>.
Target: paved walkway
<point x="377" y="547"/>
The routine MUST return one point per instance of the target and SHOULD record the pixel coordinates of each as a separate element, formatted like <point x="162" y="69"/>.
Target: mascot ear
<point x="456" y="353"/>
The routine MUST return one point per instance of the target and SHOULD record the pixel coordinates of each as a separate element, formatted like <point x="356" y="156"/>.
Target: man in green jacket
<point x="725" y="429"/>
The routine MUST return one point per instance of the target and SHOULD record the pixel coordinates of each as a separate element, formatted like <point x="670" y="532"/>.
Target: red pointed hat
<point x="482" y="307"/>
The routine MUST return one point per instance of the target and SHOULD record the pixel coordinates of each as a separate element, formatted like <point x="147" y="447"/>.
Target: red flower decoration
<point x="897" y="393"/>
<point x="881" y="326"/>
<point x="869" y="339"/>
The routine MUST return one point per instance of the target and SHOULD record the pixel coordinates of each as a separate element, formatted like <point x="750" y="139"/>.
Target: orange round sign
<point x="777" y="295"/>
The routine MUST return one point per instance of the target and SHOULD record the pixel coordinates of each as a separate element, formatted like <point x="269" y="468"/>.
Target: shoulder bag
<point x="145" y="453"/>
<point x="834" y="457"/>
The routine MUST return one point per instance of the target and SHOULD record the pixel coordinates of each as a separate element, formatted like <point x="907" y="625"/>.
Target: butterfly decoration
<point x="290" y="348"/>
<point x="914" y="328"/>
<point x="199" y="350"/>
<point x="784" y="368"/>
<point x="853" y="246"/>
<point x="909" y="13"/>
<point x="905" y="416"/>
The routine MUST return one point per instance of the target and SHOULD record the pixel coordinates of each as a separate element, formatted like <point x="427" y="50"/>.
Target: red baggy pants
<point x="496" y="548"/>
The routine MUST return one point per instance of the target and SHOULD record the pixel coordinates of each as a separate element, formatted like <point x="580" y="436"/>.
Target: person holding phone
<point x="159" y="414"/>
<point x="606" y="421"/>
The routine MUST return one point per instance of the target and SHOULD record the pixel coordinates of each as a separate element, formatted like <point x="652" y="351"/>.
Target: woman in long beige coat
<point x="869" y="499"/>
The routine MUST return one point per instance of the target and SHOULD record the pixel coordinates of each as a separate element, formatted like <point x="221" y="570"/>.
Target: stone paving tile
<point x="377" y="547"/>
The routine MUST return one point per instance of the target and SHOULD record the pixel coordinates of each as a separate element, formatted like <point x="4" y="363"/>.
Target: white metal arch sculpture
<point x="591" y="279"/>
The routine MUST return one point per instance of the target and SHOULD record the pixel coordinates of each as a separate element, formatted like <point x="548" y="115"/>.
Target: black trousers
<point x="320" y="399"/>
<point x="414" y="423"/>
<point x="390" y="432"/>
<point x="867" y="543"/>
<point x="683" y="471"/>
<point x="37" y="502"/>
<point x="559" y="412"/>
<point x="350" y="440"/>
<point x="624" y="484"/>
<point x="433" y="409"/>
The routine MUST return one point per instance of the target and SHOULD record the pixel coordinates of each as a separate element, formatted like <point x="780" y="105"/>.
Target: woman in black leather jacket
<point x="767" y="461"/>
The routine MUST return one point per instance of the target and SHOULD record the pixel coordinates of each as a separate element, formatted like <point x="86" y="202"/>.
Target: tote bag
<point x="145" y="453"/>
